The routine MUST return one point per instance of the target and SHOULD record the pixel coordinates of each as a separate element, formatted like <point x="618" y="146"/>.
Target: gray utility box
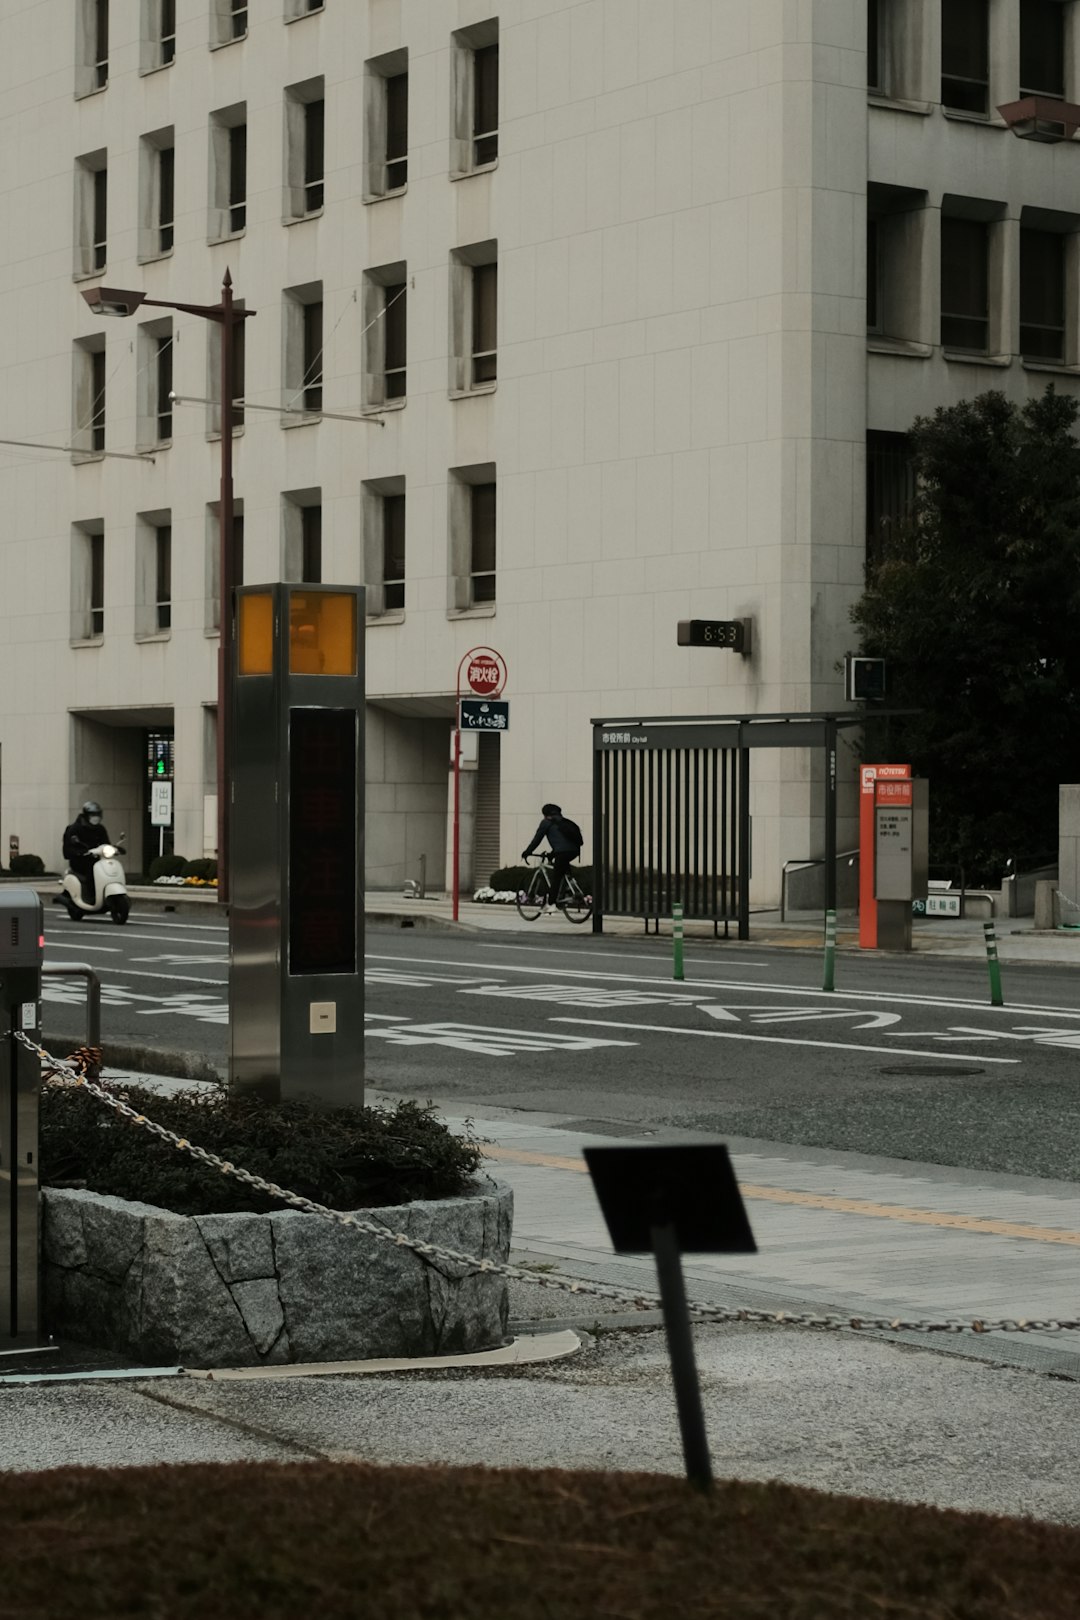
<point x="296" y="921"/>
<point x="21" y="950"/>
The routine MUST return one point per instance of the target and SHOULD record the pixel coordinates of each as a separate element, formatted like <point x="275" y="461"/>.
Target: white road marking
<point x="783" y="1040"/>
<point x="184" y="961"/>
<point x="711" y="986"/>
<point x="417" y="981"/>
<point x="568" y="995"/>
<point x="795" y="1015"/>
<point x="486" y="1041"/>
<point x="98" y="950"/>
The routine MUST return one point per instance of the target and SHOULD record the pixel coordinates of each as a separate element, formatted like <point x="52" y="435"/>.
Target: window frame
<point x="1046" y="9"/>
<point x="227" y="217"/>
<point x="468" y="489"/>
<point x="87" y="583"/>
<point x="965" y="36"/>
<point x="474" y="150"/>
<point x="305" y="142"/>
<point x="89" y="398"/>
<point x="952" y="225"/>
<point x="468" y="363"/>
<point x="298" y="335"/>
<point x="1029" y="236"/>
<point x="380" y="126"/>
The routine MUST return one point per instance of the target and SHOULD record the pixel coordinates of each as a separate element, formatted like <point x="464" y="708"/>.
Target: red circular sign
<point x="485" y="672"/>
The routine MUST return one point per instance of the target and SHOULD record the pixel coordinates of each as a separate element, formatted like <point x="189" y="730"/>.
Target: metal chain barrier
<point x="701" y="1309"/>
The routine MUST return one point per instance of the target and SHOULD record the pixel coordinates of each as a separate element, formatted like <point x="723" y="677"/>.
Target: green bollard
<point x="829" y="978"/>
<point x="994" y="966"/>
<point x="676" y="938"/>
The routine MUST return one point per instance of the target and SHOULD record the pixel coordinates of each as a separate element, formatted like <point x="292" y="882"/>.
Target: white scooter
<point x="110" y="890"/>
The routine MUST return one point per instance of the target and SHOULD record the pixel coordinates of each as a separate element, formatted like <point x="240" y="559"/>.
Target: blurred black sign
<point x="322" y="841"/>
<point x="485" y="714"/>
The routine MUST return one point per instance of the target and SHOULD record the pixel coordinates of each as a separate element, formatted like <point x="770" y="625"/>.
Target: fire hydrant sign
<point x="485" y="673"/>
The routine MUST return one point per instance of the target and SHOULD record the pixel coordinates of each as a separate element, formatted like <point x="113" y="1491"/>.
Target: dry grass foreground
<point x="266" y="1541"/>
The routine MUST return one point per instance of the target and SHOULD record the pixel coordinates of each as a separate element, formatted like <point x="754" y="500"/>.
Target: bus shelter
<point x="671" y="812"/>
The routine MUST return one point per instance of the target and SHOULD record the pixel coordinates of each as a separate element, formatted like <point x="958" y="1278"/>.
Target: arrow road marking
<point x="488" y="1042"/>
<point x="781" y="1040"/>
<point x="791" y="1015"/>
<point x="572" y="995"/>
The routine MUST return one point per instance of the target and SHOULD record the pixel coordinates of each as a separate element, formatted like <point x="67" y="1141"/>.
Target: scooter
<point x="110" y="892"/>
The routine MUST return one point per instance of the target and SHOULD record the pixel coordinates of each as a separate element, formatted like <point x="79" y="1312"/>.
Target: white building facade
<point x="574" y="319"/>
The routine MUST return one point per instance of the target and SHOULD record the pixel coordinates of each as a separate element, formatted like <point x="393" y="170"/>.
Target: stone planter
<point x="261" y="1290"/>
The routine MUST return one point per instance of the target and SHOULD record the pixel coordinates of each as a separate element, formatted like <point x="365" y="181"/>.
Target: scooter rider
<point x="85" y="833"/>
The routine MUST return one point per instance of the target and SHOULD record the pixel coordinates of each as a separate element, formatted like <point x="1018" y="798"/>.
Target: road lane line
<point x="62" y="945"/>
<point x="791" y="1040"/>
<point x="831" y="1203"/>
<point x="900" y="998"/>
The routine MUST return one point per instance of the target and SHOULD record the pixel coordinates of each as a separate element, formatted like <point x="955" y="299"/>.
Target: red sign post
<point x="878" y="784"/>
<point x="485" y="673"/>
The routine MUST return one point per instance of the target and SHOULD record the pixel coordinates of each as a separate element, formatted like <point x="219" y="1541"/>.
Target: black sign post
<point x="674" y="1200"/>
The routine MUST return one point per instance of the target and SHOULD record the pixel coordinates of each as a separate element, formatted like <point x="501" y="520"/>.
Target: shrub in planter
<point x="27" y="866"/>
<point x="205" y="868"/>
<point x="166" y="866"/>
<point x="347" y="1158"/>
<point x="519" y="877"/>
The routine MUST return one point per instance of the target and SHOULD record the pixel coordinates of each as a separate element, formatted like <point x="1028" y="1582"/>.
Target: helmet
<point x="551" y="809"/>
<point x="91" y="808"/>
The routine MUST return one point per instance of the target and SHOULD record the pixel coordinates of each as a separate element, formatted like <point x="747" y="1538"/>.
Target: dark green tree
<point x="975" y="603"/>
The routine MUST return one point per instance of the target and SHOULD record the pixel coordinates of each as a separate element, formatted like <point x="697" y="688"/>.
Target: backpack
<point x="572" y="831"/>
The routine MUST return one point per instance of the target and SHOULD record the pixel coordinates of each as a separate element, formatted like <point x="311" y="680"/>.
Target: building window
<point x="301" y="535"/>
<point x="228" y="22"/>
<point x="1042" y="48"/>
<point x="383" y="514"/>
<point x="385" y="300"/>
<point x="213" y="373"/>
<point x="153" y="574"/>
<point x="875" y="79"/>
<point x="897" y="239"/>
<point x="157" y="192"/>
<point x="386" y="124"/>
<point x="965" y="289"/>
<point x="965" y="55"/>
<point x="295" y="9"/>
<point x="88" y="396"/>
<point x="473" y="317"/>
<point x="1042" y="295"/>
<point x="157" y="44"/>
<point x="213" y="559"/>
<point x="471" y="495"/>
<point x="91" y="212"/>
<point x="228" y="172"/>
<point x="476" y="96"/>
<point x="890" y="492"/>
<point x="91" y="46"/>
<point x="154" y="351"/>
<point x="88" y="580"/>
<point x="303" y="369"/>
<point x="305" y="111"/>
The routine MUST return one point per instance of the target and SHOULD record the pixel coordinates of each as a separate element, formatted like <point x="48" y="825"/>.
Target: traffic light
<point x="159" y="768"/>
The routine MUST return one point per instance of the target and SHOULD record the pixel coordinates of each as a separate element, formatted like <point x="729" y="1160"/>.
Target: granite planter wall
<point x="252" y="1290"/>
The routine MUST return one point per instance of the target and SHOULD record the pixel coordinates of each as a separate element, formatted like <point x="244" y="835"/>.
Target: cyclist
<point x="564" y="840"/>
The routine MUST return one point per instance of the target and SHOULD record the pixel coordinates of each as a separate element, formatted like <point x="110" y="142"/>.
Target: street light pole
<point x="123" y="301"/>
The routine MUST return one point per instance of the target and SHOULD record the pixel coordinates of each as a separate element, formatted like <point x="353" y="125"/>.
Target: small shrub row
<point x="26" y="866"/>
<point x="348" y="1158"/>
<point x="519" y="877"/>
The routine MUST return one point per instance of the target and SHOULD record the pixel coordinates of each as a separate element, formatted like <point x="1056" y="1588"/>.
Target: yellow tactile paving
<point x="832" y="1203"/>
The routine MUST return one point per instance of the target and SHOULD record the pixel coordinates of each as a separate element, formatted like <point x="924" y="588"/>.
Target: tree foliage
<point x="976" y="606"/>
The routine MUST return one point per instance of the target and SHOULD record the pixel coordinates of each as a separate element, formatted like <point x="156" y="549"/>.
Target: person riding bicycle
<point x="564" y="840"/>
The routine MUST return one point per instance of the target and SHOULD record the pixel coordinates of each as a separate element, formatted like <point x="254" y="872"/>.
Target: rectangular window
<point x="91" y="46"/>
<point x="384" y="334"/>
<point x="301" y="536"/>
<point x="101" y="193"/>
<point x="88" y="396"/>
<point x="482" y="561"/>
<point x="874" y="75"/>
<point x="474" y="285"/>
<point x="163" y="573"/>
<point x="228" y="172"/>
<point x="1042" y="48"/>
<point x="484" y="294"/>
<point x="873" y="277"/>
<point x="228" y="22"/>
<point x="153" y="574"/>
<point x="157" y="194"/>
<point x="965" y="293"/>
<point x="101" y="43"/>
<point x="305" y="145"/>
<point x="157" y="38"/>
<point x="394" y="317"/>
<point x="393" y="558"/>
<point x="965" y="55"/>
<point x="91" y="212"/>
<point x="163" y="383"/>
<point x="302" y="309"/>
<point x="154" y="353"/>
<point x="890" y="492"/>
<point x="88" y="580"/>
<point x="1042" y="295"/>
<point x="386" y="123"/>
<point x="475" y="96"/>
<point x="301" y="8"/>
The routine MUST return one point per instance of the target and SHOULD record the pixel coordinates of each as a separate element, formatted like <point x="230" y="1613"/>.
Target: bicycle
<point x="532" y="901"/>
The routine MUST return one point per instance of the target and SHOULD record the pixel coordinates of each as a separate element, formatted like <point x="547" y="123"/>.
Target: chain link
<point x="700" y="1309"/>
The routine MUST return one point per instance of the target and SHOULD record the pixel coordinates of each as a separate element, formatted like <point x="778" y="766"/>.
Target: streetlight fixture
<point x="123" y="301"/>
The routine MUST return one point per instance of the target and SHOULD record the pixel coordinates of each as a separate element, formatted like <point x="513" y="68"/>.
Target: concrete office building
<point x="575" y="318"/>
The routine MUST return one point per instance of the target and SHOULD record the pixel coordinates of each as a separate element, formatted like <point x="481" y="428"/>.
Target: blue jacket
<point x="558" y="842"/>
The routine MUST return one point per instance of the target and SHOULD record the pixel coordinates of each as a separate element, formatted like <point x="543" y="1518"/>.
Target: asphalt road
<point x="906" y="1058"/>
